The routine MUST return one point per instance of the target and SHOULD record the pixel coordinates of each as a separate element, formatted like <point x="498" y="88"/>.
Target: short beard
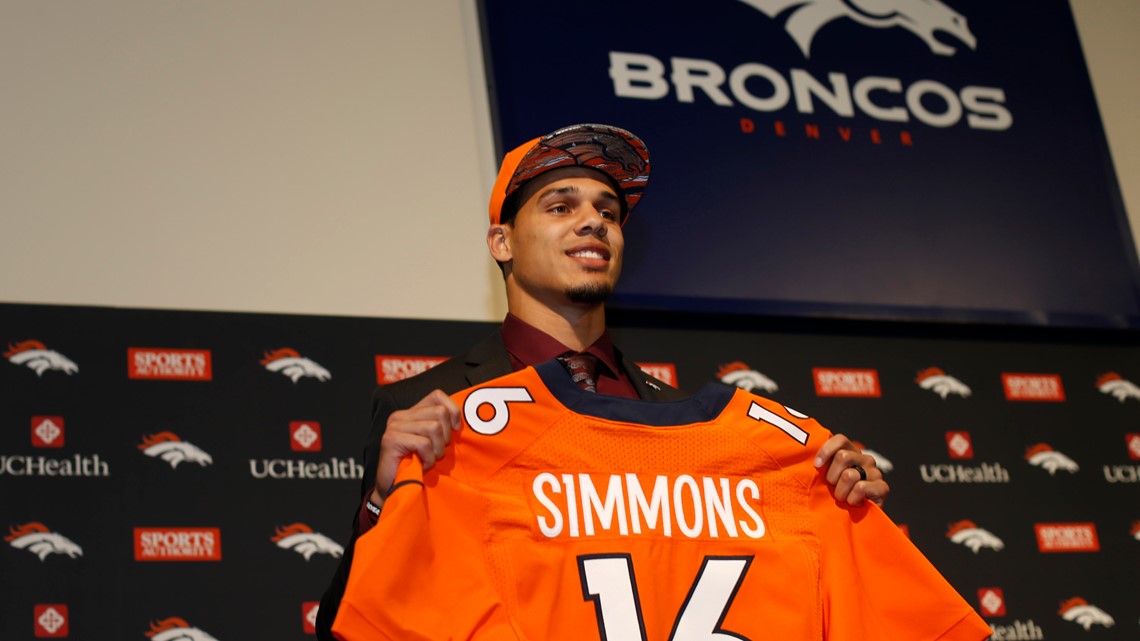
<point x="591" y="294"/>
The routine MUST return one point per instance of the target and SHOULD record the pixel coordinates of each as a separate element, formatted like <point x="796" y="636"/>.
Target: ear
<point x="499" y="243"/>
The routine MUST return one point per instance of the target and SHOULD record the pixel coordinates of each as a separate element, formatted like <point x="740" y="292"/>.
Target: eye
<point x="558" y="209"/>
<point x="609" y="215"/>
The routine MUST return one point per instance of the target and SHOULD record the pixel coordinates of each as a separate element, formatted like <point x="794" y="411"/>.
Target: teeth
<point x="587" y="254"/>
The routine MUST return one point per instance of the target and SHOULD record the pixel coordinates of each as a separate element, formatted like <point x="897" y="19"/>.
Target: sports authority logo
<point x="1114" y="385"/>
<point x="178" y="544"/>
<point x="1033" y="387"/>
<point x="991" y="602"/>
<point x="309" y="610"/>
<point x="290" y="363"/>
<point x="741" y="375"/>
<point x="37" y="357"/>
<point x="50" y="620"/>
<point x="664" y="372"/>
<point x="1084" y="614"/>
<point x="923" y="18"/>
<point x="1067" y="537"/>
<point x="959" y="445"/>
<point x="176" y="629"/>
<point x="941" y="383"/>
<point x="1045" y="457"/>
<point x="47" y="431"/>
<point x="390" y="369"/>
<point x="304" y="541"/>
<point x="846" y="382"/>
<point x="967" y="533"/>
<point x="172" y="449"/>
<point x="305" y="436"/>
<point x="37" y="539"/>
<point x="163" y="364"/>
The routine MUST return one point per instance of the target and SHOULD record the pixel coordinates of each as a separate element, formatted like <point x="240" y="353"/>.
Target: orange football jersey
<point x="562" y="515"/>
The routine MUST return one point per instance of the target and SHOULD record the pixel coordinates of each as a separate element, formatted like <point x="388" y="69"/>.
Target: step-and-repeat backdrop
<point x="188" y="475"/>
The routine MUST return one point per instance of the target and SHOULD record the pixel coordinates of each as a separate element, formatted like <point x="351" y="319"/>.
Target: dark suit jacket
<point x="487" y="360"/>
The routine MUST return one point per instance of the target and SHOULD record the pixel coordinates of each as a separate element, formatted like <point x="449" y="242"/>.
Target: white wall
<point x="290" y="155"/>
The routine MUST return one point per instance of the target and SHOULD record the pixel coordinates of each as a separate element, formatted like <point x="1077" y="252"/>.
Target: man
<point x="556" y="216"/>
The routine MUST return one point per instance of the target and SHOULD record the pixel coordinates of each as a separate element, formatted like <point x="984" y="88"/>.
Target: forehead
<point x="541" y="183"/>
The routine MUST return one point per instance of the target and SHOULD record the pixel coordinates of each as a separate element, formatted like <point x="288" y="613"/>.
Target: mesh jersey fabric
<point x="562" y="515"/>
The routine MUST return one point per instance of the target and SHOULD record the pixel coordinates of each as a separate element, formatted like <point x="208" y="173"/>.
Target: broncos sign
<point x="837" y="157"/>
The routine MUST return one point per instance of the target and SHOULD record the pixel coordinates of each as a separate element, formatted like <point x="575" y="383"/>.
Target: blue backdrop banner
<point x="893" y="159"/>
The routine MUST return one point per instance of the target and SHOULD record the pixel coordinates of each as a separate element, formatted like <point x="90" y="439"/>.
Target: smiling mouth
<point x="589" y="253"/>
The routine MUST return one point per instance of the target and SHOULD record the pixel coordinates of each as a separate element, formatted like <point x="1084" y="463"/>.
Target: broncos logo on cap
<point x="303" y="540"/>
<point x="37" y="539"/>
<point x="288" y="362"/>
<point x="738" y="374"/>
<point x="923" y="18"/>
<point x="1084" y="614"/>
<point x="176" y="629"/>
<point x="172" y="449"/>
<point x="942" y="384"/>
<point x="1047" y="458"/>
<point x="39" y="358"/>
<point x="968" y="533"/>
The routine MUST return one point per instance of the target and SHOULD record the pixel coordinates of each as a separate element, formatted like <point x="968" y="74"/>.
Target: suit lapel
<point x="487" y="360"/>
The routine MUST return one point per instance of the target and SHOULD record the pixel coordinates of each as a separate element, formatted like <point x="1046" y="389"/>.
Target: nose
<point x="592" y="223"/>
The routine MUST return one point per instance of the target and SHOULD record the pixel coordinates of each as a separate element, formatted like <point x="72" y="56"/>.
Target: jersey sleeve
<point x="877" y="585"/>
<point x="418" y="575"/>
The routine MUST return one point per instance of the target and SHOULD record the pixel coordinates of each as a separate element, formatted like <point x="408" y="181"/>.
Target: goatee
<point x="590" y="294"/>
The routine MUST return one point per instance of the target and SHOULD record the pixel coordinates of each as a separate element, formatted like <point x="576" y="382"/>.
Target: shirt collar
<point x="531" y="346"/>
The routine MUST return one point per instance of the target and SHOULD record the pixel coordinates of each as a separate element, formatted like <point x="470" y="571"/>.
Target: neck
<point x="574" y="325"/>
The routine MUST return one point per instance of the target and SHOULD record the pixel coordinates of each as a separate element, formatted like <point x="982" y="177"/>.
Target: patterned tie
<point x="583" y="370"/>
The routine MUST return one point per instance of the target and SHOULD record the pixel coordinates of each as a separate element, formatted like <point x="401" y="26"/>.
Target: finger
<point x="443" y="402"/>
<point x="845" y="484"/>
<point x="843" y="460"/>
<point x="874" y="491"/>
<point x="393" y="448"/>
<point x="837" y="443"/>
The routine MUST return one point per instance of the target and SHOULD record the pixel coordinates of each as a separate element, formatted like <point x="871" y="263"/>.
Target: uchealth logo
<point x="1117" y="387"/>
<point x="309" y="610"/>
<point x="1042" y="455"/>
<point x="923" y="18"/>
<point x="935" y="380"/>
<point x="959" y="445"/>
<point x="176" y="629"/>
<point x="37" y="357"/>
<point x="305" y="436"/>
<point x="172" y="449"/>
<point x="50" y="620"/>
<point x="1126" y="473"/>
<point x="166" y="364"/>
<point x="390" y="369"/>
<point x="1085" y="614"/>
<point x="1033" y="387"/>
<point x="968" y="533"/>
<point x="846" y="382"/>
<point x="178" y="544"/>
<point x="47" y="431"/>
<point x="991" y="602"/>
<point x="39" y="540"/>
<point x="741" y="375"/>
<point x="301" y="539"/>
<point x="1067" y="537"/>
<point x="288" y="362"/>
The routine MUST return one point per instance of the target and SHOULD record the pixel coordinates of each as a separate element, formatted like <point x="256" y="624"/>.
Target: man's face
<point x="565" y="243"/>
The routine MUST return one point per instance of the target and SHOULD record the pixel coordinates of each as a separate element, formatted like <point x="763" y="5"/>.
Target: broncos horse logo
<point x="304" y="541"/>
<point x="176" y="629"/>
<point x="37" y="539"/>
<point x="36" y="356"/>
<point x="290" y="363"/>
<point x="172" y="449"/>
<point x="923" y="18"/>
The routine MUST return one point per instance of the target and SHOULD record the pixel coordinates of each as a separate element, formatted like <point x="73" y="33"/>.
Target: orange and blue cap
<point x="614" y="151"/>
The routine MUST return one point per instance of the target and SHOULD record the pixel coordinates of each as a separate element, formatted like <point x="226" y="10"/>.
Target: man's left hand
<point x="843" y="472"/>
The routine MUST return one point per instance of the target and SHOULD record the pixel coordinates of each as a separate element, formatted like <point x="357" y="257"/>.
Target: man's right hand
<point x="424" y="429"/>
